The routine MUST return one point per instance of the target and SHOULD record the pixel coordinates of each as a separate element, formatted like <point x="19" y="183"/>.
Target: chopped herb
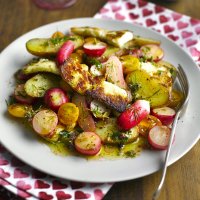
<point x="10" y="101"/>
<point x="134" y="87"/>
<point x="130" y="154"/>
<point x="92" y="61"/>
<point x="58" y="40"/>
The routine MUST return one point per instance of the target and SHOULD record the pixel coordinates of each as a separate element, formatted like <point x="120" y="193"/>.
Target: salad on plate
<point x="97" y="93"/>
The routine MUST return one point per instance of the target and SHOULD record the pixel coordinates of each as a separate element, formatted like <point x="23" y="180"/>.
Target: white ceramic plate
<point x="22" y="144"/>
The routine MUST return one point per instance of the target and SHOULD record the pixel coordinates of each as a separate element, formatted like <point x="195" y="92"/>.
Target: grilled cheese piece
<point x="116" y="38"/>
<point x="76" y="75"/>
<point x="110" y="94"/>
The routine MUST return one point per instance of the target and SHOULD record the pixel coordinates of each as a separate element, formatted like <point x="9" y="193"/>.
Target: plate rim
<point x="171" y="161"/>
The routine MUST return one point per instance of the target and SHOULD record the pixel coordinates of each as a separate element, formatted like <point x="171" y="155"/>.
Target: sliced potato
<point x="144" y="86"/>
<point x="110" y="134"/>
<point x="41" y="65"/>
<point x="40" y="83"/>
<point x="50" y="46"/>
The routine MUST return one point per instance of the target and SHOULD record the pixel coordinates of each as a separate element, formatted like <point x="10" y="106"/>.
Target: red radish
<point x="159" y="137"/>
<point x="44" y="122"/>
<point x="88" y="143"/>
<point x="94" y="49"/>
<point x="152" y="52"/>
<point x="85" y="120"/>
<point x="54" y="98"/>
<point x="134" y="114"/>
<point x="99" y="110"/>
<point x="64" y="52"/>
<point x="21" y="96"/>
<point x="165" y="115"/>
<point x="114" y="72"/>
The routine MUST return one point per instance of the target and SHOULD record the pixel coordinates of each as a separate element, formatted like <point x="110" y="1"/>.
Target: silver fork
<point x="180" y="111"/>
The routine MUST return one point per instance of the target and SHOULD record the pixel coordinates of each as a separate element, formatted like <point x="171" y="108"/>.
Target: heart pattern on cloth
<point x="182" y="25"/>
<point x="194" y="21"/>
<point x="39" y="184"/>
<point x="150" y="22"/>
<point x="4" y="174"/>
<point x="3" y="182"/>
<point x="133" y="15"/>
<point x="62" y="195"/>
<point x="115" y="8"/>
<point x="176" y="16"/>
<point x="142" y="3"/>
<point x="81" y="195"/>
<point x="3" y="161"/>
<point x="146" y="12"/>
<point x="195" y="52"/>
<point x="23" y="186"/>
<point x="197" y="30"/>
<point x="45" y="196"/>
<point x="98" y="194"/>
<point x="186" y="34"/>
<point x="173" y="37"/>
<point x="119" y="16"/>
<point x="23" y="194"/>
<point x="103" y="10"/>
<point x="57" y="185"/>
<point x="18" y="173"/>
<point x="163" y="19"/>
<point x="168" y="29"/>
<point x="159" y="9"/>
<point x="130" y="6"/>
<point x="190" y="42"/>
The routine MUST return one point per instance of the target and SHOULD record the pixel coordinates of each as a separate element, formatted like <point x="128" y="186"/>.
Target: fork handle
<point x="164" y="168"/>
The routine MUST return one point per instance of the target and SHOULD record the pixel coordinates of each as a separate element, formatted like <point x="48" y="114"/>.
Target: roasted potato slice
<point x="110" y="134"/>
<point x="50" y="46"/>
<point x="40" y="83"/>
<point x="146" y="87"/>
<point x="41" y="65"/>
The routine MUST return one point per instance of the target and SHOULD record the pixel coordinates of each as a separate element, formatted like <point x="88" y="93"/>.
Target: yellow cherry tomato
<point x="68" y="114"/>
<point x="19" y="110"/>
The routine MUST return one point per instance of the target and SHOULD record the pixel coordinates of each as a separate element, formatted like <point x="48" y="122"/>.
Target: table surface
<point x="183" y="177"/>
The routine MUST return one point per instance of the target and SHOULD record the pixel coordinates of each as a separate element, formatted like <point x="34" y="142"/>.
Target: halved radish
<point x="44" y="122"/>
<point x="85" y="120"/>
<point x="99" y="110"/>
<point x="88" y="143"/>
<point x="64" y="52"/>
<point x="114" y="72"/>
<point x="164" y="114"/>
<point x="159" y="137"/>
<point x="21" y="96"/>
<point x="55" y="97"/>
<point x="152" y="52"/>
<point x="94" y="49"/>
<point x="134" y="114"/>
